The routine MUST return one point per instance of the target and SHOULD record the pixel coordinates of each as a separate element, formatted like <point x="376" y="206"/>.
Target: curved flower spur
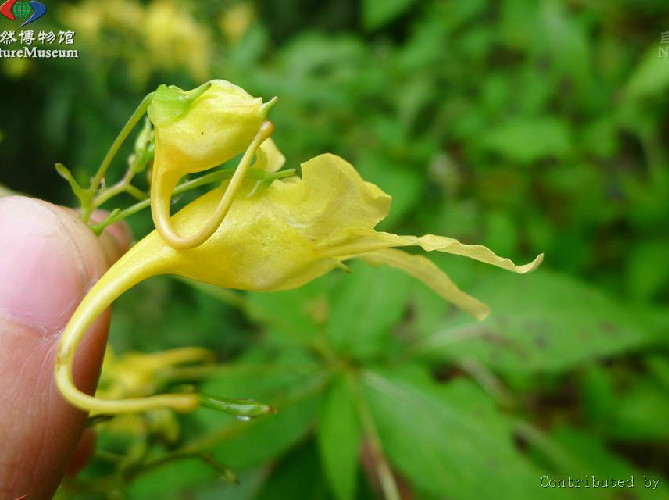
<point x="196" y="131"/>
<point x="282" y="237"/>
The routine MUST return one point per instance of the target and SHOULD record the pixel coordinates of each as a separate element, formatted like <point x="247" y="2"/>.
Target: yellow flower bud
<point x="197" y="130"/>
<point x="285" y="236"/>
<point x="202" y="128"/>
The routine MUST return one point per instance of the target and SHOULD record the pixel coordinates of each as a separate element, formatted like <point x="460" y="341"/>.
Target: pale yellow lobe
<point x="330" y="201"/>
<point x="269" y="158"/>
<point x="425" y="270"/>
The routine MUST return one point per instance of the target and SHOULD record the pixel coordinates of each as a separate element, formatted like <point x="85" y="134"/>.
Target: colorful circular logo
<point x="15" y="10"/>
<point x="22" y="10"/>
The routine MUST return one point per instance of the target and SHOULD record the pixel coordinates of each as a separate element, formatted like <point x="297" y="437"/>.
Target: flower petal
<point x="423" y="269"/>
<point x="269" y="158"/>
<point x="369" y="240"/>
<point x="330" y="202"/>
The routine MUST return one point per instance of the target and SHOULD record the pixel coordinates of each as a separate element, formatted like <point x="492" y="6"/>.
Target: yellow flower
<point x="234" y="22"/>
<point x="133" y="375"/>
<point x="136" y="374"/>
<point x="89" y="18"/>
<point x="299" y="229"/>
<point x="175" y="39"/>
<point x="161" y="35"/>
<point x="289" y="234"/>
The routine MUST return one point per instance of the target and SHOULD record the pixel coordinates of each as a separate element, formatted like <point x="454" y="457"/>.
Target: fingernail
<point x="43" y="272"/>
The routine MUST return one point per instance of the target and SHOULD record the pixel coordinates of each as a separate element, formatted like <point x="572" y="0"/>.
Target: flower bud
<point x="202" y="128"/>
<point x="197" y="130"/>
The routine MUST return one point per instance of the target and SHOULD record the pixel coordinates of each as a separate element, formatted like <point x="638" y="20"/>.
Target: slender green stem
<point x="116" y="145"/>
<point x="489" y="381"/>
<point x="547" y="446"/>
<point x="136" y="192"/>
<point x="122" y="186"/>
<point x="383" y="469"/>
<point x="201" y="371"/>
<point x="180" y="189"/>
<point x="314" y="385"/>
<point x="207" y="458"/>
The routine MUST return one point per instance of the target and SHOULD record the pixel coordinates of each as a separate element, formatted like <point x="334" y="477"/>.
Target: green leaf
<point x="170" y="481"/>
<point x="527" y="140"/>
<point x="597" y="394"/>
<point x="339" y="439"/>
<point x="371" y="301"/>
<point x="251" y="443"/>
<point x="658" y="366"/>
<point x="295" y="394"/>
<point x="296" y="476"/>
<point x="651" y="76"/>
<point x="641" y="412"/>
<point x="566" y="42"/>
<point x="588" y="455"/>
<point x="518" y="25"/>
<point x="645" y="281"/>
<point x="540" y="322"/>
<point x="299" y="314"/>
<point x="377" y="13"/>
<point x="501" y="232"/>
<point x="401" y="182"/>
<point x="450" y="441"/>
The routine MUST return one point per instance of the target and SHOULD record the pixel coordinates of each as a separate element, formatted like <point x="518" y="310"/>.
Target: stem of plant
<point x="203" y="180"/>
<point x="489" y="381"/>
<point x="122" y="136"/>
<point x="383" y="469"/>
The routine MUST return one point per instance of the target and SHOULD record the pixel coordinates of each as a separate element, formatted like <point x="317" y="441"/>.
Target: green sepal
<point x="259" y="180"/>
<point x="145" y="146"/>
<point x="82" y="194"/>
<point x="170" y="103"/>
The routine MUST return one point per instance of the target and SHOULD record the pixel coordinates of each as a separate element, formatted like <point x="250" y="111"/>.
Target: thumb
<point x="48" y="260"/>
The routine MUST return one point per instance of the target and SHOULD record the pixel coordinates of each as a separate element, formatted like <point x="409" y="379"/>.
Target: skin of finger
<point x="38" y="429"/>
<point x="83" y="452"/>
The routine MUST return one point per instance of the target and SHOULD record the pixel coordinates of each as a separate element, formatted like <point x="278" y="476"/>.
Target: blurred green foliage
<point x="527" y="126"/>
